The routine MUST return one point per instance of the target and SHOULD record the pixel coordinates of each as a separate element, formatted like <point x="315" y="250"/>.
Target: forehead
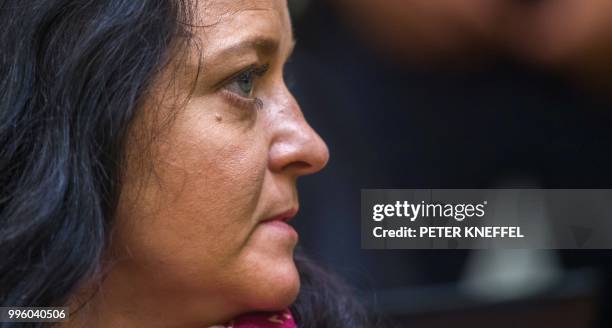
<point x="220" y="14"/>
<point x="217" y="24"/>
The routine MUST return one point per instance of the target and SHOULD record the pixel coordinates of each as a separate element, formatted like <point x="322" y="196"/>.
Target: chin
<point x="274" y="288"/>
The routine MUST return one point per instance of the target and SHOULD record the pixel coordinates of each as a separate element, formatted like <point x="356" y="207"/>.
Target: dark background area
<point x="498" y="121"/>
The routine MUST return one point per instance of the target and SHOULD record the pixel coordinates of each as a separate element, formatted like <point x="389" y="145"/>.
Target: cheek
<point x="212" y="185"/>
<point x="191" y="216"/>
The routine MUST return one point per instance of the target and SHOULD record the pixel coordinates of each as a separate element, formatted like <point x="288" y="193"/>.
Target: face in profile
<point x="201" y="229"/>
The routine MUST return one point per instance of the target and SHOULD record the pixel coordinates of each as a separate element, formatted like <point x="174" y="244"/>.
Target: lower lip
<point x="281" y="226"/>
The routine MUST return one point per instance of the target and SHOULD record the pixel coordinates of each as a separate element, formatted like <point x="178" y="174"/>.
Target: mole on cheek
<point x="218" y="118"/>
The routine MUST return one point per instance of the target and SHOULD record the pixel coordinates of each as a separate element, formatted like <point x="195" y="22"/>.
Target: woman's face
<point x="202" y="227"/>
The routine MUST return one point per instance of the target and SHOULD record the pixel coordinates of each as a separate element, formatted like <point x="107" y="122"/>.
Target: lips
<point x="284" y="216"/>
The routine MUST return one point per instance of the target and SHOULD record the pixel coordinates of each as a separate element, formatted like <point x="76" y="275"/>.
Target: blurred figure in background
<point x="424" y="31"/>
<point x="571" y="37"/>
<point x="447" y="94"/>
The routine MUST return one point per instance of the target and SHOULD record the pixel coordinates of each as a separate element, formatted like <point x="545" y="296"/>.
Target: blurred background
<point x="457" y="94"/>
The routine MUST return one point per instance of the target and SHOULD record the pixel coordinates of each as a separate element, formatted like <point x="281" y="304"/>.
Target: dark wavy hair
<point x="72" y="74"/>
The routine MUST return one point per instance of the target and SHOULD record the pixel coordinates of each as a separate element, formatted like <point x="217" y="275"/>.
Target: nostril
<point x="299" y="166"/>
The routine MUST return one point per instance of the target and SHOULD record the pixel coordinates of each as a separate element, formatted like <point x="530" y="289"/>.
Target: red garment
<point x="282" y="319"/>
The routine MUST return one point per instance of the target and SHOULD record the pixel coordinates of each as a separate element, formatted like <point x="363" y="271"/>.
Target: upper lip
<point x="283" y="216"/>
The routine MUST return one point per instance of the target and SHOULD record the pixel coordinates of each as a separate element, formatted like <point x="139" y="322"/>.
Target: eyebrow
<point x="264" y="46"/>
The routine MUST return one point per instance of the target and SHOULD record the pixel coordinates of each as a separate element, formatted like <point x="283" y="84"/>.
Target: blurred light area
<point x="506" y="274"/>
<point x="509" y="274"/>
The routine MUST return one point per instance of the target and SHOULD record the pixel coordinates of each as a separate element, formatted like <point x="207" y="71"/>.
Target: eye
<point x="243" y="83"/>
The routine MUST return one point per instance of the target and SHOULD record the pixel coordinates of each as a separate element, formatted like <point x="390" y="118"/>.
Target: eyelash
<point x="240" y="101"/>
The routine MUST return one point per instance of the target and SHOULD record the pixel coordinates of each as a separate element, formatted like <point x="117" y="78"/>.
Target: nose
<point x="296" y="149"/>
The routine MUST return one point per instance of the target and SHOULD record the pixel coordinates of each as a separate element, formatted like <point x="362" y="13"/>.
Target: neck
<point x="119" y="300"/>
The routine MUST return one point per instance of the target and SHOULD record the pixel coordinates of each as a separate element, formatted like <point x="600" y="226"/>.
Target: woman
<point x="149" y="156"/>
